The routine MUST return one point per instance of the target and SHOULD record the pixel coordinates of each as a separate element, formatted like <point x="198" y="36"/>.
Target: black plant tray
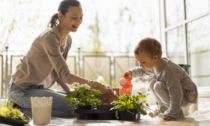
<point x="131" y="115"/>
<point x="14" y="122"/>
<point x="105" y="114"/>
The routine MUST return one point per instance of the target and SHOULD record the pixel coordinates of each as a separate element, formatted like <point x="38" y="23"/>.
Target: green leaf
<point x="131" y="102"/>
<point x="9" y="111"/>
<point x="12" y="28"/>
<point x="116" y="114"/>
<point x="84" y="96"/>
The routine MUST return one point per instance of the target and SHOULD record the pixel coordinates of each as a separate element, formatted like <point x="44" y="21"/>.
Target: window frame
<point x="164" y="30"/>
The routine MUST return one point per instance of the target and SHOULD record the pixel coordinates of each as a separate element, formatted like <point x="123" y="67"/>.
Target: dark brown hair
<point x="63" y="8"/>
<point x="150" y="46"/>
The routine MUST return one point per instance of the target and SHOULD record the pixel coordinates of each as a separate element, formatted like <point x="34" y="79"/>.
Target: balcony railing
<point x="111" y="68"/>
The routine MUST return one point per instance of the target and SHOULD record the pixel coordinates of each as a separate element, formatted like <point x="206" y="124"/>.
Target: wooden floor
<point x="199" y="118"/>
<point x="144" y="121"/>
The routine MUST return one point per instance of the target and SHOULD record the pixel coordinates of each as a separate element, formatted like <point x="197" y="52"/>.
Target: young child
<point x="171" y="87"/>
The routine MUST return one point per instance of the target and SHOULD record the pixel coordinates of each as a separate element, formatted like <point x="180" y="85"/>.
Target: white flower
<point x="100" y="79"/>
<point x="74" y="85"/>
<point x="85" y="86"/>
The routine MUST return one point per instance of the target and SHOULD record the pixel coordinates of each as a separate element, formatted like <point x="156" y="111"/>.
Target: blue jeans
<point x="22" y="97"/>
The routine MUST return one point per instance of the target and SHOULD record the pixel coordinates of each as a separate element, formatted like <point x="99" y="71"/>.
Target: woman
<point x="45" y="63"/>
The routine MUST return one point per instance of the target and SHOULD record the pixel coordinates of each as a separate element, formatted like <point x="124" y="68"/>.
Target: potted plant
<point x="11" y="115"/>
<point x="130" y="107"/>
<point x="10" y="112"/>
<point x="83" y="96"/>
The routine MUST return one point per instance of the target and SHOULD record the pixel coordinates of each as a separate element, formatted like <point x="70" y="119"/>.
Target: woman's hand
<point x="107" y="92"/>
<point x="65" y="87"/>
<point x="167" y="118"/>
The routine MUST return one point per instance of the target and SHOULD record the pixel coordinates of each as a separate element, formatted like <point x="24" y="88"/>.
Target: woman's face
<point x="72" y="19"/>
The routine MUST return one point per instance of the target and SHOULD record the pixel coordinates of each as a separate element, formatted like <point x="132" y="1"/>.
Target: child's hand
<point x="127" y="75"/>
<point x="167" y="118"/>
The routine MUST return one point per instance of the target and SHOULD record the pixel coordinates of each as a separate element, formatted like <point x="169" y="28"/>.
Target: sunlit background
<point x="120" y="23"/>
<point x="112" y="28"/>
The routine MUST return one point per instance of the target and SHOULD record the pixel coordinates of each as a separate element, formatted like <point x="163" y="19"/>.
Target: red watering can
<point x="126" y="86"/>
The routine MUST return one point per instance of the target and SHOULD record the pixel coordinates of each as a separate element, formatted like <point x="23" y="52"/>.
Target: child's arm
<point x="137" y="72"/>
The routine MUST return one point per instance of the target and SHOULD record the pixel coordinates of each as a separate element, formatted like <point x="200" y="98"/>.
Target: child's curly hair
<point x="150" y="46"/>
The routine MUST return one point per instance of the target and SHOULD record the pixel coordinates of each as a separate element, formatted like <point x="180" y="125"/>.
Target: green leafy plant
<point x="84" y="95"/>
<point x="127" y="103"/>
<point x="7" y="110"/>
<point x="10" y="112"/>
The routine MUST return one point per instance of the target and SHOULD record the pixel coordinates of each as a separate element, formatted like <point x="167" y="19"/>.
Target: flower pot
<point x="133" y="114"/>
